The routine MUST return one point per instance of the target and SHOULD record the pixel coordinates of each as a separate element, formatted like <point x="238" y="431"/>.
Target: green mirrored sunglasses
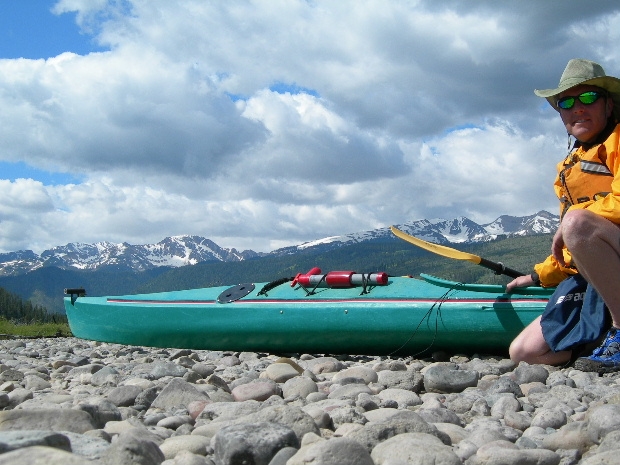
<point x="587" y="98"/>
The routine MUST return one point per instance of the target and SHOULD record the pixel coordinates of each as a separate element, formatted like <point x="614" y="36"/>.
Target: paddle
<point x="444" y="251"/>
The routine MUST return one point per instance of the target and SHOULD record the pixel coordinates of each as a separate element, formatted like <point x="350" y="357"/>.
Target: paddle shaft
<point x="499" y="268"/>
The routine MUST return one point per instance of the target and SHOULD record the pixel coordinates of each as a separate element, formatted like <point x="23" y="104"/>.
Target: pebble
<point x="67" y="401"/>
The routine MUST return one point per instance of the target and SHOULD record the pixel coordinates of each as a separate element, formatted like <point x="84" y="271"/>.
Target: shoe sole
<point x="584" y="364"/>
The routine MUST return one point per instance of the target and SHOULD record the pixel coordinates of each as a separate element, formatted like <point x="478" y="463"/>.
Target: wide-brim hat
<point x="579" y="71"/>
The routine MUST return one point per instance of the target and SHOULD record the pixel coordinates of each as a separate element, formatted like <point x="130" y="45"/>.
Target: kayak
<point x="356" y="314"/>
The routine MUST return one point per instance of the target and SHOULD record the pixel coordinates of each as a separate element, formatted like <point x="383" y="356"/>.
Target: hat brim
<point x="609" y="83"/>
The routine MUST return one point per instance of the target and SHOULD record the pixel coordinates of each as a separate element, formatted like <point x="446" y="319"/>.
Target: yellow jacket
<point x="589" y="178"/>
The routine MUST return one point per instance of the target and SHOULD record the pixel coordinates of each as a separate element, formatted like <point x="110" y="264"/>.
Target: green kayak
<point x="359" y="314"/>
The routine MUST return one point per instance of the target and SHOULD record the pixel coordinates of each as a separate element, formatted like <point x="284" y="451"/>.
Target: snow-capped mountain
<point x="440" y="231"/>
<point x="188" y="250"/>
<point x="172" y="251"/>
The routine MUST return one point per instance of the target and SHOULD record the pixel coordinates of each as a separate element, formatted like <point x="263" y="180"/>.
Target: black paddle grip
<point x="499" y="268"/>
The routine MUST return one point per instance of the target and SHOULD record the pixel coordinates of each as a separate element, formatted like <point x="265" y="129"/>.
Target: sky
<point x="266" y="123"/>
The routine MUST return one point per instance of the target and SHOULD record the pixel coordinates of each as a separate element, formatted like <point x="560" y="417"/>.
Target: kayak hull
<point x="405" y="317"/>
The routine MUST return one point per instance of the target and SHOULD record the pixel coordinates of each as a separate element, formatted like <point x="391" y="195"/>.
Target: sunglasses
<point x="587" y="98"/>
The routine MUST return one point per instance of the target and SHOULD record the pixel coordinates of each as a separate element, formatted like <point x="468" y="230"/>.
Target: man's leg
<point x="530" y="347"/>
<point x="594" y="243"/>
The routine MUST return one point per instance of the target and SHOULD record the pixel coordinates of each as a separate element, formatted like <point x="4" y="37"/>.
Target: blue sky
<point x="266" y="124"/>
<point x="29" y="29"/>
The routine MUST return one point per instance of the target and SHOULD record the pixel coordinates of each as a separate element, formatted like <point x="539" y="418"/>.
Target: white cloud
<point x="406" y="110"/>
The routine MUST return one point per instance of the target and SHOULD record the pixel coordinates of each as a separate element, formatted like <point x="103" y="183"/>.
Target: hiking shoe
<point x="605" y="358"/>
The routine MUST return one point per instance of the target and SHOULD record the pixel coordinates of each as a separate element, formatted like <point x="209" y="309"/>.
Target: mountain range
<point x="178" y="251"/>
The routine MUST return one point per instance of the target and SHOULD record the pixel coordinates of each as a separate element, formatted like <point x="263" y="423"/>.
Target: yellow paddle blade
<point x="436" y="248"/>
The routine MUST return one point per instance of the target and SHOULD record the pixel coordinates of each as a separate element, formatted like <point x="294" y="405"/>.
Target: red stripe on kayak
<point x="321" y="301"/>
<point x="162" y="302"/>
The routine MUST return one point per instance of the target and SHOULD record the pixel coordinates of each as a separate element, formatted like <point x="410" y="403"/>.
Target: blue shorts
<point x="575" y="315"/>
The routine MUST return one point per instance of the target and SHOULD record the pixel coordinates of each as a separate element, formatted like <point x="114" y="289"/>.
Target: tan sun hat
<point x="580" y="71"/>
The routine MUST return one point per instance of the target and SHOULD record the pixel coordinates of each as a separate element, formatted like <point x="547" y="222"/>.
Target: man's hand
<point x="557" y="246"/>
<point x="521" y="281"/>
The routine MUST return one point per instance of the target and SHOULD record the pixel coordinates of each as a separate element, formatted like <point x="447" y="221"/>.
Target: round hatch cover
<point x="235" y="293"/>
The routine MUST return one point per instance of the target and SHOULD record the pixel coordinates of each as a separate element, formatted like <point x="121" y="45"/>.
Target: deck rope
<point x="427" y="315"/>
<point x="269" y="286"/>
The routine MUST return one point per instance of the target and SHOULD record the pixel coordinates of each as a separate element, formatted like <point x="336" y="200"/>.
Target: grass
<point x="11" y="328"/>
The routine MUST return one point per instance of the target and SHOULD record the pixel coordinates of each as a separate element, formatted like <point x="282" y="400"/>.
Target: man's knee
<point x="517" y="350"/>
<point x="581" y="228"/>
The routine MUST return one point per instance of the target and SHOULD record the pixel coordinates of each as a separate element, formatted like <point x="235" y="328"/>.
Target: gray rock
<point x="90" y="368"/>
<point x="293" y="417"/>
<point x="548" y="418"/>
<point x="400" y="422"/>
<point x="336" y="451"/>
<point x="230" y="361"/>
<point x="323" y="365"/>
<point x="229" y="410"/>
<point x="281" y="372"/>
<point x="175" y="421"/>
<point x="88" y="445"/>
<point x="203" y="369"/>
<point x="100" y="410"/>
<point x="602" y="420"/>
<point x="409" y="380"/>
<point x="505" y="385"/>
<point x="282" y="456"/>
<point x="36" y="383"/>
<point x="19" y="396"/>
<point x="368" y="402"/>
<point x="525" y="373"/>
<point x="147" y="396"/>
<point x="178" y="393"/>
<point x="260" y="390"/>
<point x="570" y="436"/>
<point x="128" y="449"/>
<point x="517" y="420"/>
<point x="300" y="386"/>
<point x="446" y="379"/>
<point x="368" y="375"/>
<point x="609" y="457"/>
<point x="404" y="398"/>
<point x="107" y="376"/>
<point x="162" y="369"/>
<point x="218" y="382"/>
<point x="343" y="415"/>
<point x="439" y="415"/>
<point x="124" y="396"/>
<point x="41" y="455"/>
<point x="174" y="445"/>
<point x="611" y="442"/>
<point x="349" y="391"/>
<point x="504" y="404"/>
<point x="11" y="375"/>
<point x="255" y="443"/>
<point x="507" y="456"/>
<point x="12" y="440"/>
<point x="414" y="448"/>
<point x="75" y="421"/>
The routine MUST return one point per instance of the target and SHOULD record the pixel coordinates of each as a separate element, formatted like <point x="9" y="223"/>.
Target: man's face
<point x="585" y="122"/>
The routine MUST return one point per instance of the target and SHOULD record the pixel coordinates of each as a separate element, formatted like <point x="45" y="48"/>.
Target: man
<point x="587" y="243"/>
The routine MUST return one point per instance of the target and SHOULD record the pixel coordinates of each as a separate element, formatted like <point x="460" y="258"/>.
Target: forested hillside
<point x="13" y="308"/>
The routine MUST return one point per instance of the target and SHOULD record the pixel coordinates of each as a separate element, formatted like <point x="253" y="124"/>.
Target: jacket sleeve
<point x="551" y="273"/>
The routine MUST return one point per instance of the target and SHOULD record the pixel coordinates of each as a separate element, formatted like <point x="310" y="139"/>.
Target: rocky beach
<point x="66" y="401"/>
